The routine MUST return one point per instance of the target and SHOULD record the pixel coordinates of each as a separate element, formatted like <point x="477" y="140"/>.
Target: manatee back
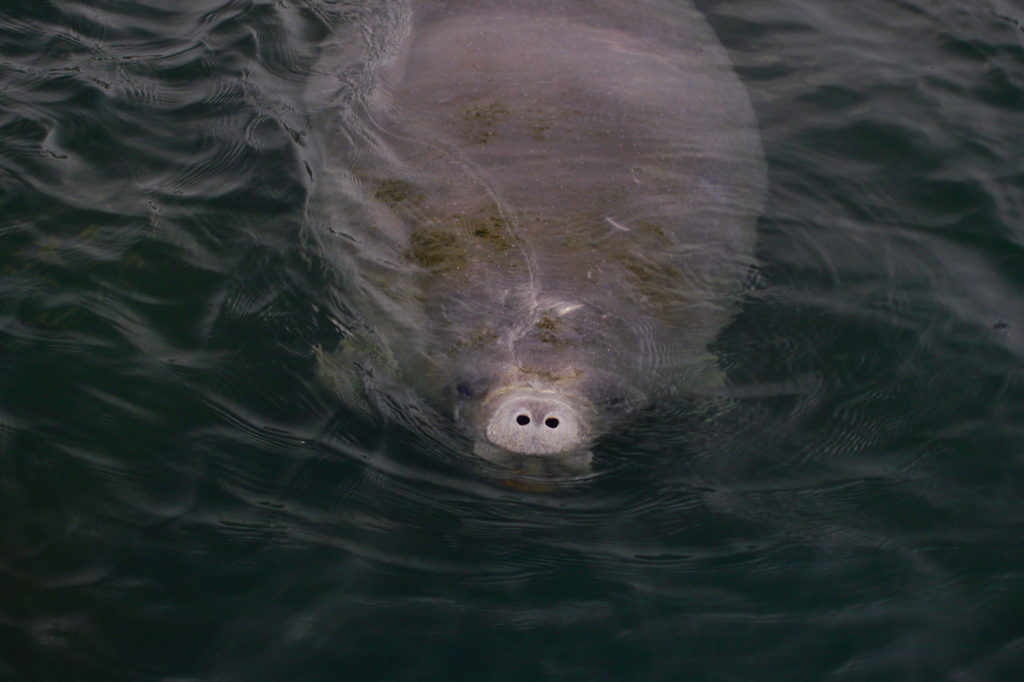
<point x="581" y="159"/>
<point x="510" y="172"/>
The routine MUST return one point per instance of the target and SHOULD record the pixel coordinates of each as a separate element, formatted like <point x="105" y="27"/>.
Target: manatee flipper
<point x="700" y="375"/>
<point x="340" y="374"/>
<point x="352" y="370"/>
<point x="700" y="382"/>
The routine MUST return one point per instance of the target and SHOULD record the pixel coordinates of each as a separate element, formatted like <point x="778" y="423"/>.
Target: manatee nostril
<point x="551" y="423"/>
<point x="522" y="420"/>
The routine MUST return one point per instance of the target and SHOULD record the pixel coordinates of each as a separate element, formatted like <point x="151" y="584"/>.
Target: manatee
<point x="542" y="213"/>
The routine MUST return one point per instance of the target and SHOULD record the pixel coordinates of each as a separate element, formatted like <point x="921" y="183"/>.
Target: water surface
<point x="179" y="500"/>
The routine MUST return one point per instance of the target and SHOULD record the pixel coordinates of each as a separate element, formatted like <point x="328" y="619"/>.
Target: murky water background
<point x="178" y="500"/>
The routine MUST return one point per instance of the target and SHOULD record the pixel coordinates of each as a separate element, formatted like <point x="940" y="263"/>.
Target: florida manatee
<point x="543" y="211"/>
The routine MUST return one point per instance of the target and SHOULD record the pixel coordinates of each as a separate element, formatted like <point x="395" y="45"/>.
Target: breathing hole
<point x="551" y="423"/>
<point x="522" y="420"/>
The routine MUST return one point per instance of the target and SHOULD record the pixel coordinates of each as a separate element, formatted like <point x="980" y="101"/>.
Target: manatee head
<point x="543" y="420"/>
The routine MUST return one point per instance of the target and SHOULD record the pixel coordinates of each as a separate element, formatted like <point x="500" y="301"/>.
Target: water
<point x="179" y="501"/>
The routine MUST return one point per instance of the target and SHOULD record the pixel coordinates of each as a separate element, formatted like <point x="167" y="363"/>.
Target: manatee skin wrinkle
<point x="545" y="211"/>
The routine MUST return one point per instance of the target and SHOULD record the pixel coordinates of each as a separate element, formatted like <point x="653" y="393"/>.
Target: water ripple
<point x="181" y="500"/>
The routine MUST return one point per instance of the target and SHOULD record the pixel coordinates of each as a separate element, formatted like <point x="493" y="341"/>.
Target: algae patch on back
<point x="432" y="249"/>
<point x="452" y="244"/>
<point x="482" y="121"/>
<point x="396" y="193"/>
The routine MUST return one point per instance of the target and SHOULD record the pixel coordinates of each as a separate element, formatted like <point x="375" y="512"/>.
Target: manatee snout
<point x="532" y="422"/>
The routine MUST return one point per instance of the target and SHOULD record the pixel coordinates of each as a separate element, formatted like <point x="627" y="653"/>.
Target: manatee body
<point x="544" y="211"/>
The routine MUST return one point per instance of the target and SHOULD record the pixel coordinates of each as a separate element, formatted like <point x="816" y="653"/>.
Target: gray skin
<point x="544" y="211"/>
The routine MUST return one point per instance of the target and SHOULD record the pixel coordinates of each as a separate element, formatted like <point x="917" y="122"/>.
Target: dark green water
<point x="178" y="501"/>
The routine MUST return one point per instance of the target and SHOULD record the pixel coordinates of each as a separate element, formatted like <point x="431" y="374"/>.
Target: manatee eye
<point x="615" y="404"/>
<point x="467" y="388"/>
